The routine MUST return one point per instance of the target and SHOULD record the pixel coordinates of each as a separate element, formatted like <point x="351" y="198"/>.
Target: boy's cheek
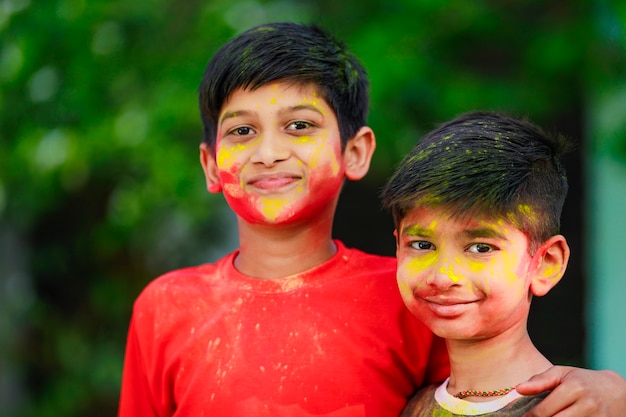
<point x="411" y="271"/>
<point x="230" y="183"/>
<point x="405" y="289"/>
<point x="416" y="265"/>
<point x="225" y="158"/>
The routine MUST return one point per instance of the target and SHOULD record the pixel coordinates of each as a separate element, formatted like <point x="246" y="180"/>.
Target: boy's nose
<point x="270" y="149"/>
<point x="444" y="277"/>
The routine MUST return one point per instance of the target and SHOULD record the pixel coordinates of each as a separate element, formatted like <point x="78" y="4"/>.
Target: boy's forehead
<point x="423" y="218"/>
<point x="279" y="88"/>
<point x="275" y="92"/>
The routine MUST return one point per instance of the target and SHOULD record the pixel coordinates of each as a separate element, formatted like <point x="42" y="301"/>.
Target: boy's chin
<point x="287" y="213"/>
<point x="284" y="217"/>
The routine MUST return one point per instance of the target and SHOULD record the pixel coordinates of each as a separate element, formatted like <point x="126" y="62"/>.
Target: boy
<point x="293" y="323"/>
<point x="477" y="207"/>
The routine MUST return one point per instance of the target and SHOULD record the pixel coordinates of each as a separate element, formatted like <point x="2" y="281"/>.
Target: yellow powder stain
<point x="477" y="266"/>
<point x="405" y="290"/>
<point x="419" y="264"/>
<point x="292" y="284"/>
<point x="527" y="211"/>
<point x="462" y="408"/>
<point x="226" y="155"/>
<point x="512" y="272"/>
<point x="449" y="272"/>
<point x="305" y="139"/>
<point x="550" y="271"/>
<point x="315" y="103"/>
<point x="270" y="208"/>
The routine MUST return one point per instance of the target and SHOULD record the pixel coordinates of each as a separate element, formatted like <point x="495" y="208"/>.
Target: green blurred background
<point x="101" y="189"/>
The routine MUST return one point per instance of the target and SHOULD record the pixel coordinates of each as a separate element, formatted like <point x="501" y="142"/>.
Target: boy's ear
<point x="358" y="153"/>
<point x="551" y="262"/>
<point x="209" y="166"/>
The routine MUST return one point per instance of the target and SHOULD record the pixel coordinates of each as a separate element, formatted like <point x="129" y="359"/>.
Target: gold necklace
<point x="475" y="393"/>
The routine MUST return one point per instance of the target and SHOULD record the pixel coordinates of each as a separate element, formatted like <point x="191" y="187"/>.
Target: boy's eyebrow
<point x="236" y="113"/>
<point x="301" y="107"/>
<point x="486" y="232"/>
<point x="416" y="230"/>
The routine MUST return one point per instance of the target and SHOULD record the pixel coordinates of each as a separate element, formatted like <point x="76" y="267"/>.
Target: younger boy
<point x="477" y="207"/>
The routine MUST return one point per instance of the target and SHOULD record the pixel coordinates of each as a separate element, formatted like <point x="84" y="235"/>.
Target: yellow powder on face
<point x="416" y="266"/>
<point x="270" y="208"/>
<point x="226" y="155"/>
<point x="304" y="139"/>
<point x="315" y="102"/>
<point x="477" y="266"/>
<point x="449" y="272"/>
<point x="322" y="151"/>
<point x="405" y="289"/>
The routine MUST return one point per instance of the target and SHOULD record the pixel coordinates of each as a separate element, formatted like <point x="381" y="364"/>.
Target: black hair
<point x="485" y="163"/>
<point x="293" y="53"/>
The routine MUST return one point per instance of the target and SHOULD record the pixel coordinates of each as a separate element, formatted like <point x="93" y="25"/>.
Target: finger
<point x="545" y="381"/>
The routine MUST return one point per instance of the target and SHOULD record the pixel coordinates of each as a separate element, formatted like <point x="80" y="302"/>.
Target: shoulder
<point x="369" y="261"/>
<point x="376" y="272"/>
<point x="421" y="402"/>
<point x="523" y="404"/>
<point x="180" y="284"/>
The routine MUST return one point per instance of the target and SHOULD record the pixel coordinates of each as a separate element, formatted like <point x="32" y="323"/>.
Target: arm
<point x="135" y="394"/>
<point x="577" y="392"/>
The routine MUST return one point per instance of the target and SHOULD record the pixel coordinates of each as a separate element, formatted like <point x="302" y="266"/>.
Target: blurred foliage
<point x="100" y="186"/>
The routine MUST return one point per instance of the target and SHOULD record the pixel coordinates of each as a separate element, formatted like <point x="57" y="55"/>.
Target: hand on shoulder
<point x="577" y="392"/>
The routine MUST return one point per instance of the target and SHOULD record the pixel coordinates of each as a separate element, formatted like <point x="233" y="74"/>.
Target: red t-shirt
<point x="333" y="341"/>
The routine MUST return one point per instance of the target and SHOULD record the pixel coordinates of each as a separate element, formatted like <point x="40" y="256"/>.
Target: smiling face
<point x="278" y="154"/>
<point x="466" y="279"/>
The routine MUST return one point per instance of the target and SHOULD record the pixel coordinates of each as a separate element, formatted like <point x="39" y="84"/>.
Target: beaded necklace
<point x="475" y="393"/>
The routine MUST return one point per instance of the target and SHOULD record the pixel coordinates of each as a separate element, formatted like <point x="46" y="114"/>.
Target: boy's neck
<point x="497" y="363"/>
<point x="271" y="252"/>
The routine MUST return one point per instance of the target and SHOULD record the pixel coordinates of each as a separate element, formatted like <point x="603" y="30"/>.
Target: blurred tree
<point x="100" y="187"/>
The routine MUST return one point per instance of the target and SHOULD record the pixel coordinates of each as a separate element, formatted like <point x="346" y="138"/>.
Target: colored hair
<point x="485" y="163"/>
<point x="292" y="53"/>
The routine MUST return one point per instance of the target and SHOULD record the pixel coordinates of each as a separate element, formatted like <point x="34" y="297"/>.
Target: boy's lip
<point x="446" y="301"/>
<point x="447" y="306"/>
<point x="273" y="181"/>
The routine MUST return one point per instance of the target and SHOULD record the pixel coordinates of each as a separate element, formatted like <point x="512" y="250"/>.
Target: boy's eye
<point x="480" y="248"/>
<point x="242" y="131"/>
<point x="299" y="125"/>
<point x="422" y="245"/>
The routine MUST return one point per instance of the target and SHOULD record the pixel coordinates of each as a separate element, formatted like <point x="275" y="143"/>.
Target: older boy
<point x="293" y="323"/>
<point x="477" y="207"/>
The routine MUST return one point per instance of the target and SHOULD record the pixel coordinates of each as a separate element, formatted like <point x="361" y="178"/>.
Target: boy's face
<point x="278" y="154"/>
<point x="466" y="279"/>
